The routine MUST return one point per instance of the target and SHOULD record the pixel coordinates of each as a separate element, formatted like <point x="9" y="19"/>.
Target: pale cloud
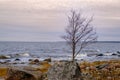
<point x="48" y="16"/>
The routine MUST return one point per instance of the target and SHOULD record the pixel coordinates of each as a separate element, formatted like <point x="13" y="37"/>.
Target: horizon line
<point x="55" y="41"/>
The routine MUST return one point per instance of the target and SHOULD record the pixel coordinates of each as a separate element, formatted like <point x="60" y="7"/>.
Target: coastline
<point x="97" y="69"/>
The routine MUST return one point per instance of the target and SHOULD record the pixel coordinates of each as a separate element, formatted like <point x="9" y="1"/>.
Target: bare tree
<point x="79" y="33"/>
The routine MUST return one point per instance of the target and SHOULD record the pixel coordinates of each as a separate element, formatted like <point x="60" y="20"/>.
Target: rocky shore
<point x="49" y="70"/>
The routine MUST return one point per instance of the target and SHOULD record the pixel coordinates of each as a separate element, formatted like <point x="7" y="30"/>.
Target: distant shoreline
<point x="58" y="41"/>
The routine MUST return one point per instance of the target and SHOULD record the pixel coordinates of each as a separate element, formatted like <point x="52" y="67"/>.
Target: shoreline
<point x="91" y="68"/>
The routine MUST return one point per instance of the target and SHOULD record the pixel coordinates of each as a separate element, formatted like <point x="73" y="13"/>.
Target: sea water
<point x="58" y="50"/>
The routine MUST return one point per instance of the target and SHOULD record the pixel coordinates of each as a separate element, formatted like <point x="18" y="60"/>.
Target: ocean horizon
<point x="59" y="50"/>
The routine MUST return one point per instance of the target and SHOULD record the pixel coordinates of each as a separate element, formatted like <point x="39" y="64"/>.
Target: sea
<point x="101" y="50"/>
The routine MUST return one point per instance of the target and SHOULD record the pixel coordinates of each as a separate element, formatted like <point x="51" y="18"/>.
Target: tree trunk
<point x="73" y="53"/>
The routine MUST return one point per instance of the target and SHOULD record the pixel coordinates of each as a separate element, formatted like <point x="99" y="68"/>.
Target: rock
<point x="3" y="57"/>
<point x="22" y="74"/>
<point x="102" y="66"/>
<point x="64" y="71"/>
<point x="100" y="55"/>
<point x="118" y="52"/>
<point x="17" y="59"/>
<point x="114" y="54"/>
<point x="30" y="60"/>
<point x="36" y="61"/>
<point x="48" y="60"/>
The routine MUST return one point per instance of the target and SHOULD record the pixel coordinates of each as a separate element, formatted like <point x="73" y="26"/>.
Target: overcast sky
<point x="45" y="20"/>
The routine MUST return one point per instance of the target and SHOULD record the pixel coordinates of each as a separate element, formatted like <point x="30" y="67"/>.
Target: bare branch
<point x="79" y="32"/>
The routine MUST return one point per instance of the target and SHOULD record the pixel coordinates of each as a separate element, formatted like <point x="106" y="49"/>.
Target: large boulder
<point x="21" y="73"/>
<point x="64" y="71"/>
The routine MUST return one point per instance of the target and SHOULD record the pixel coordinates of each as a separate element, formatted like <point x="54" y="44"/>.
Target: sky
<point x="45" y="20"/>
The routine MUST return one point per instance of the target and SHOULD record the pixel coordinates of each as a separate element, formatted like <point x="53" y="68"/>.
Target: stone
<point x="48" y="60"/>
<point x="64" y="71"/>
<point x="17" y="59"/>
<point x="114" y="54"/>
<point x="100" y="55"/>
<point x="118" y="52"/>
<point x="30" y="60"/>
<point x="3" y="57"/>
<point x="36" y="60"/>
<point x="20" y="73"/>
<point x="102" y="66"/>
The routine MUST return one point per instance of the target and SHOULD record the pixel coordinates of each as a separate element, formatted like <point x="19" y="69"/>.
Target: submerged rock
<point x="17" y="59"/>
<point x="64" y="71"/>
<point x="30" y="60"/>
<point x="118" y="52"/>
<point x="100" y="55"/>
<point x="114" y="54"/>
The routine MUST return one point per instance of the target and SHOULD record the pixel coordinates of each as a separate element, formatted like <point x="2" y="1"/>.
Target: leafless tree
<point x="79" y="32"/>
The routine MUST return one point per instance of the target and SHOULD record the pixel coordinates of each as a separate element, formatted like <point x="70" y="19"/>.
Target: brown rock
<point x="36" y="60"/>
<point x="48" y="60"/>
<point x="3" y="57"/>
<point x="22" y="74"/>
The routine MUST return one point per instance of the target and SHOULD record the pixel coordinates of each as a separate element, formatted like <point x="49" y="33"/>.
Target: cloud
<point x="34" y="17"/>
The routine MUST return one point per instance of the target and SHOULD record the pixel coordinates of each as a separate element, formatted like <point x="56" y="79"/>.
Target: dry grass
<point x="109" y="72"/>
<point x="44" y="67"/>
<point x="3" y="72"/>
